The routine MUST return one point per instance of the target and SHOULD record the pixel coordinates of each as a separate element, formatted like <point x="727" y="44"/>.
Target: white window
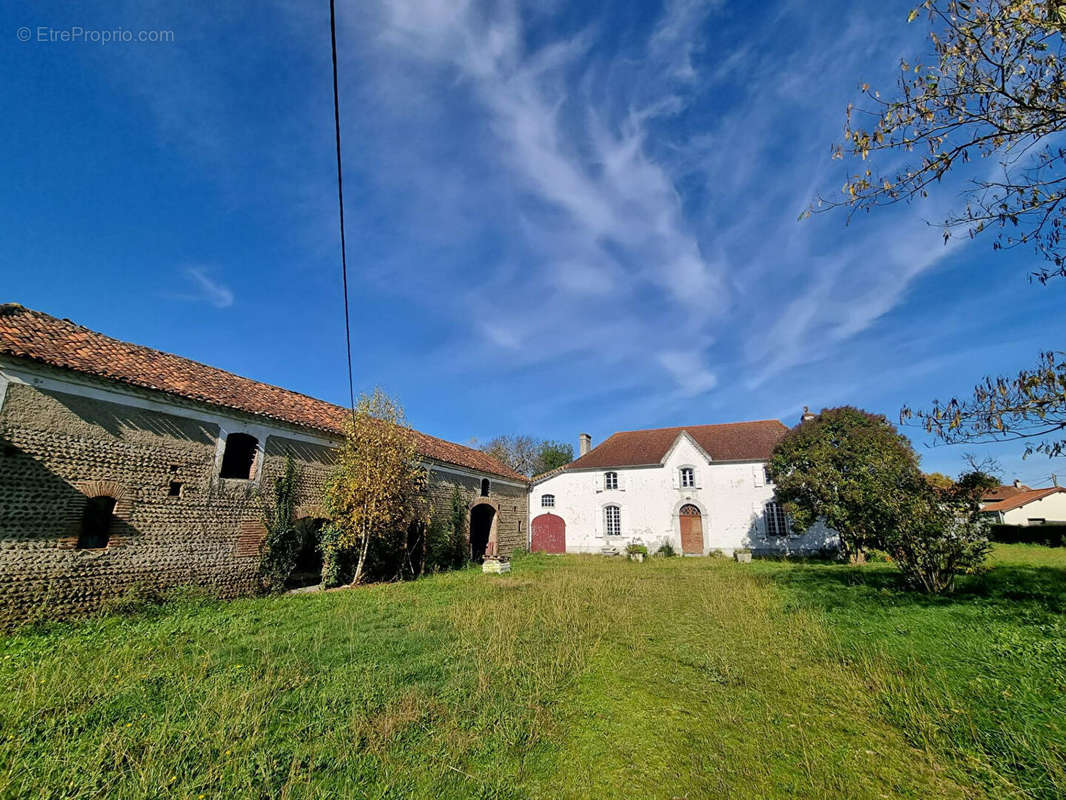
<point x="777" y="521"/>
<point x="612" y="521"/>
<point x="547" y="501"/>
<point x="610" y="480"/>
<point x="688" y="477"/>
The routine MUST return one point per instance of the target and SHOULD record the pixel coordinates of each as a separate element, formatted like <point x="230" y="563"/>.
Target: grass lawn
<point x="573" y="677"/>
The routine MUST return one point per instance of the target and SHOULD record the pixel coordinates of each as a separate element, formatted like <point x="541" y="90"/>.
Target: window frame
<point x="547" y="501"/>
<point x="690" y="472"/>
<point x="610" y="481"/>
<point x="608" y="523"/>
<point x="776" y="517"/>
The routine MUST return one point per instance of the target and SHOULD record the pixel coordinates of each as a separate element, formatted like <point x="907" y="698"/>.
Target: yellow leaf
<point x="913" y="15"/>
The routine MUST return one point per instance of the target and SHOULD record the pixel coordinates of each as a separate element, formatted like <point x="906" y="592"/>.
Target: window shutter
<point x="759" y="475"/>
<point x="676" y="475"/>
<point x="599" y="481"/>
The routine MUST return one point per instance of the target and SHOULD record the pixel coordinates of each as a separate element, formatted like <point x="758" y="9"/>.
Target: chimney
<point x="807" y="415"/>
<point x="1017" y="484"/>
<point x="584" y="444"/>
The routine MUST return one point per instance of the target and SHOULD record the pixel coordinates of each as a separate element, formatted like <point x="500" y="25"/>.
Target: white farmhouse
<point x="700" y="488"/>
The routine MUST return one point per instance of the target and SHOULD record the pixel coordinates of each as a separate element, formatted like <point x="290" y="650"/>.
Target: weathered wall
<point x="58" y="448"/>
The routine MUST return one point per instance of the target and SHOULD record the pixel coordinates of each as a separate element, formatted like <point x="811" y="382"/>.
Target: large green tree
<point x="850" y="469"/>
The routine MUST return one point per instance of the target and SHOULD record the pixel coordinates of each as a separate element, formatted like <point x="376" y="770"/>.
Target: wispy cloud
<point x="207" y="289"/>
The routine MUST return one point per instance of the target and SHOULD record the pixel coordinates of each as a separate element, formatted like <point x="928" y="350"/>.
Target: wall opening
<point x="481" y="518"/>
<point x="238" y="459"/>
<point x="96" y="523"/>
<point x="484" y="487"/>
<point x="307" y="569"/>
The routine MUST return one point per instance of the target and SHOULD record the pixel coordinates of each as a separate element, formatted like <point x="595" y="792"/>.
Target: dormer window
<point x="610" y="480"/>
<point x="688" y="478"/>
<point x="547" y="501"/>
<point x="238" y="459"/>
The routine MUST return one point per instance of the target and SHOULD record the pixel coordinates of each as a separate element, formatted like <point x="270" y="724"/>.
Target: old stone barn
<point x="121" y="465"/>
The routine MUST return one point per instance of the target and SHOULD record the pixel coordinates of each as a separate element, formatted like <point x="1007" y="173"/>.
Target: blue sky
<point x="563" y="217"/>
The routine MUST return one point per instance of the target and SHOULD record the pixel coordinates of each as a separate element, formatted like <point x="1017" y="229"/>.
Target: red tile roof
<point x="1021" y="498"/>
<point x="734" y="441"/>
<point x="1003" y="492"/>
<point x="36" y="336"/>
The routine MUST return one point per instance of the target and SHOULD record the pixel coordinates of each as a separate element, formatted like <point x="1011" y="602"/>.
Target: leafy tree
<point x="283" y="541"/>
<point x="552" y="455"/>
<point x="1030" y="406"/>
<point x="938" y="480"/>
<point x="375" y="493"/>
<point x="850" y="469"/>
<point x="460" y="546"/>
<point x="994" y="88"/>
<point x="526" y="454"/>
<point x="940" y="534"/>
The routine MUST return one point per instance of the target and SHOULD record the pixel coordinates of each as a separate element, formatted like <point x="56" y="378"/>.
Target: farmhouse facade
<point x="699" y="489"/>
<point x="121" y="465"/>
<point x="1020" y="505"/>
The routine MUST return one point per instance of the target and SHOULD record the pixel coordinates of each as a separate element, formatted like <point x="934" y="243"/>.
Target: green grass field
<point x="573" y="677"/>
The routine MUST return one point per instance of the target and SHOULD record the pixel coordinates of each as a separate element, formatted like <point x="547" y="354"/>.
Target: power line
<point x="340" y="204"/>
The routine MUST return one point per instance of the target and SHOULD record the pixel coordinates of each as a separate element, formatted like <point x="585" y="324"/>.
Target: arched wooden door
<point x="691" y="530"/>
<point x="548" y="534"/>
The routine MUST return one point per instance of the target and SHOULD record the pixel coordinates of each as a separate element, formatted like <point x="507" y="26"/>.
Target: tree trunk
<point x="363" y="550"/>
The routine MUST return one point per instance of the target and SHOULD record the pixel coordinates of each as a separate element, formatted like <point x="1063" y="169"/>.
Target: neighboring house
<point x="700" y="488"/>
<point x="1020" y="505"/>
<point x="121" y="465"/>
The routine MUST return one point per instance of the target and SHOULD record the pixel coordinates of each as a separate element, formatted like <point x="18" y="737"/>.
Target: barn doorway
<point x="481" y="518"/>
<point x="691" y="530"/>
<point x="307" y="571"/>
<point x="548" y="534"/>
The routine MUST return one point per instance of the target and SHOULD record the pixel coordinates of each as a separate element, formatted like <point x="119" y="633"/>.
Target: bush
<point x="939" y="539"/>
<point x="666" y="550"/>
<point x="636" y="549"/>
<point x="717" y="553"/>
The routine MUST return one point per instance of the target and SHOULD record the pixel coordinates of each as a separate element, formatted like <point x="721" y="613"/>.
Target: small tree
<point x="460" y="545"/>
<point x="282" y="543"/>
<point x="941" y="535"/>
<point x="850" y="469"/>
<point x="373" y="495"/>
<point x="552" y="455"/>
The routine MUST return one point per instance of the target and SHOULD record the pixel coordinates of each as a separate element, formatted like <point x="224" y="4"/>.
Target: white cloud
<point x="208" y="290"/>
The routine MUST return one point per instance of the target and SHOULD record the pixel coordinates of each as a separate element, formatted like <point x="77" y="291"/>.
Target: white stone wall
<point x="1050" y="509"/>
<point x="730" y="495"/>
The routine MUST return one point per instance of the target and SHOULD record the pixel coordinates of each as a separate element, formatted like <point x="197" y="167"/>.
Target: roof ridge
<point x="269" y="401"/>
<point x="703" y="425"/>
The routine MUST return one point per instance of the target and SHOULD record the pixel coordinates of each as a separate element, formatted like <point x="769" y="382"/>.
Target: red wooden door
<point x="691" y="530"/>
<point x="548" y="534"/>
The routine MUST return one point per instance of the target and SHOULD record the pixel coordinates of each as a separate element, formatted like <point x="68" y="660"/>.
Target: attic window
<point x="484" y="487"/>
<point x="610" y="480"/>
<point x="238" y="459"/>
<point x="688" y="477"/>
<point x="96" y="523"/>
<point x="547" y="501"/>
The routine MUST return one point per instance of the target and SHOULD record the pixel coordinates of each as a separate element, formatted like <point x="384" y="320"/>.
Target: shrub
<point x="717" y="553"/>
<point x="283" y="540"/>
<point x="636" y="549"/>
<point x="942" y="536"/>
<point x="666" y="550"/>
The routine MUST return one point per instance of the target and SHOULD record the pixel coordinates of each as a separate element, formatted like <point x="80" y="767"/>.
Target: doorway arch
<point x="548" y="534"/>
<point x="482" y="531"/>
<point x="691" y="529"/>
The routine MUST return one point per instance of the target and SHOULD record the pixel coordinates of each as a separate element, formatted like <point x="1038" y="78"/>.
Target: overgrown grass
<point x="979" y="676"/>
<point x="573" y="677"/>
